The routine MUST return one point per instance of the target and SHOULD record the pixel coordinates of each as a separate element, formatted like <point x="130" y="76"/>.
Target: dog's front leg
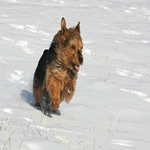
<point x="53" y="88"/>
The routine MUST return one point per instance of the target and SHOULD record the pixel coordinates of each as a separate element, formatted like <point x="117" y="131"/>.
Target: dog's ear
<point x="63" y="25"/>
<point x="78" y="27"/>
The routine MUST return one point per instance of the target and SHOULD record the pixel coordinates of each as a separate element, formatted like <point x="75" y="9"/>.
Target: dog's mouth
<point x="77" y="67"/>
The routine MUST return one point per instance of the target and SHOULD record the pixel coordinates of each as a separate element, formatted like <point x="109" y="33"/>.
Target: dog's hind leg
<point x="37" y="96"/>
<point x="37" y="92"/>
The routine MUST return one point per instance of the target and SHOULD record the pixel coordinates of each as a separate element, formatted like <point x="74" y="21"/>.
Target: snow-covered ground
<point x="111" y="106"/>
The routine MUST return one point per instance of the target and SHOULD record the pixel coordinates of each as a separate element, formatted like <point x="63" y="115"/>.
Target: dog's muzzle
<point x="80" y="60"/>
<point x="80" y="57"/>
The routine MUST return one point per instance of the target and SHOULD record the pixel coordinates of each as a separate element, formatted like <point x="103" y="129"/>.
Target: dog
<point x="57" y="70"/>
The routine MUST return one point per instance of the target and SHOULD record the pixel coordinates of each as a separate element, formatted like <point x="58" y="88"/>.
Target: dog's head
<point x="71" y="46"/>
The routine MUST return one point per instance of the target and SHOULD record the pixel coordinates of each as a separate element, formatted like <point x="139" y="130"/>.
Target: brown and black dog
<point x="56" y="73"/>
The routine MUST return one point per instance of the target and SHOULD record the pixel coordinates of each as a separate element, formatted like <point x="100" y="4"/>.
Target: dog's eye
<point x="73" y="47"/>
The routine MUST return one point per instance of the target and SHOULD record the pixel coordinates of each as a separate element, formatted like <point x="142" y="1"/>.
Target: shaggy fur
<point x="56" y="73"/>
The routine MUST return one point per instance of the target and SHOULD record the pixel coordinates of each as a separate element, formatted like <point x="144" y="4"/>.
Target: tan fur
<point x="56" y="73"/>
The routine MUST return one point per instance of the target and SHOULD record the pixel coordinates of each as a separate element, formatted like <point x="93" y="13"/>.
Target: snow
<point x="110" y="108"/>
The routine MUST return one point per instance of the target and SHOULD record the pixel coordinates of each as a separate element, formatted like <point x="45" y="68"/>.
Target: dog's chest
<point x="67" y="82"/>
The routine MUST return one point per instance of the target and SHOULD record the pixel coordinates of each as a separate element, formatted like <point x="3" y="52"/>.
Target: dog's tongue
<point x="77" y="68"/>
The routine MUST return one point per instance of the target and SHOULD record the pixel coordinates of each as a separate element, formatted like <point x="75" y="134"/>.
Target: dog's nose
<point x="80" y="60"/>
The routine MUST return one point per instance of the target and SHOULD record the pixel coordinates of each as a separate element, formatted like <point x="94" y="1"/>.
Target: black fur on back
<point x="47" y="57"/>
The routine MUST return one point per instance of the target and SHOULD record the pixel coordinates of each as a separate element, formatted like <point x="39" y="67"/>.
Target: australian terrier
<point x="56" y="73"/>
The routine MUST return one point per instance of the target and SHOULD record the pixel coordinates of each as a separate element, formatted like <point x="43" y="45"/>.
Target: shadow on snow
<point x="28" y="98"/>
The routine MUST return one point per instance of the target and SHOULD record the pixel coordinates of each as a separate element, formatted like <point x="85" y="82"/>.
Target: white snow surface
<point x="111" y="106"/>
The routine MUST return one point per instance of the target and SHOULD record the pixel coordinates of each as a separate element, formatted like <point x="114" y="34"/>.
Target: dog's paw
<point x="57" y="112"/>
<point x="48" y="109"/>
